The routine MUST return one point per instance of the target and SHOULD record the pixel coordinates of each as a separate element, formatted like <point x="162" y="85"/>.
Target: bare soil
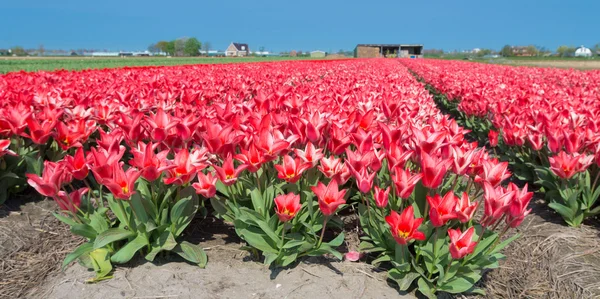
<point x="549" y="260"/>
<point x="567" y="64"/>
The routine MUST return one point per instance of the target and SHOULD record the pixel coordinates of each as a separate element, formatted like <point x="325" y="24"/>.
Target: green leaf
<point x="219" y="205"/>
<point x="192" y="253"/>
<point x="184" y="210"/>
<point x="79" y="251"/>
<point x="99" y="222"/>
<point x="368" y="247"/>
<point x="420" y="202"/>
<point x="166" y="241"/>
<point x="64" y="219"/>
<point x="290" y="258"/>
<point x="84" y="230"/>
<point x="403" y="279"/>
<point x="112" y="235"/>
<point x="257" y="201"/>
<point x="127" y="252"/>
<point x="138" y="208"/>
<point x="293" y="243"/>
<point x="426" y="288"/>
<point x="337" y="241"/>
<point x="504" y="243"/>
<point x="254" y="237"/>
<point x="101" y="262"/>
<point x="460" y="283"/>
<point x="116" y="209"/>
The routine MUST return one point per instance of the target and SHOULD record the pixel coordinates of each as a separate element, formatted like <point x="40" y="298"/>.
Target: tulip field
<point x="285" y="152"/>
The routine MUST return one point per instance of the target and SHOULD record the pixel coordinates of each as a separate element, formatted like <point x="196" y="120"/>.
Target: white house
<point x="583" y="52"/>
<point x="237" y="49"/>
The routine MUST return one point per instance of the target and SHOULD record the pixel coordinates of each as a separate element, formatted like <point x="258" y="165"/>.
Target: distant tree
<point x="533" y="50"/>
<point x="180" y="46"/>
<point x="293" y="53"/>
<point x="152" y="48"/>
<point x="206" y="46"/>
<point x="162" y="46"/>
<point x="261" y="49"/>
<point x="19" y="51"/>
<point x="565" y="51"/>
<point x="192" y="47"/>
<point x="41" y="50"/>
<point x="170" y="47"/>
<point x="596" y="48"/>
<point x="506" y="51"/>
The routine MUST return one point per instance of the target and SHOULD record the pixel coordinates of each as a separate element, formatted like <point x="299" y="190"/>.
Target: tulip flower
<point x="330" y="166"/>
<point x="465" y="209"/>
<point x="493" y="138"/>
<point x="150" y="164"/>
<point x="227" y="173"/>
<point x="564" y="165"/>
<point x="310" y="154"/>
<point x="433" y="169"/>
<point x="252" y="158"/>
<point x="291" y="170"/>
<point x="77" y="165"/>
<point x="40" y="132"/>
<point x="206" y="185"/>
<point x="441" y="209"/>
<point x="405" y="182"/>
<point x="461" y="243"/>
<point x="71" y="201"/>
<point x="122" y="183"/>
<point x="330" y="197"/>
<point x="496" y="202"/>
<point x="493" y="173"/>
<point x="404" y="227"/>
<point x="518" y="205"/>
<point x="381" y="196"/>
<point x="271" y="146"/>
<point x="4" y="150"/>
<point x="364" y="179"/>
<point x="287" y="206"/>
<point x="182" y="172"/>
<point x="54" y="176"/>
<point x="161" y="123"/>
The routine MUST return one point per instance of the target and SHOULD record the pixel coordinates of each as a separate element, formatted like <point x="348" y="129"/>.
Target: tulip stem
<point x="91" y="192"/>
<point x="122" y="207"/>
<point x="595" y="182"/>
<point x="323" y="231"/>
<point x="368" y="206"/>
<point x="258" y="182"/>
<point x="454" y="183"/>
<point x="230" y="188"/>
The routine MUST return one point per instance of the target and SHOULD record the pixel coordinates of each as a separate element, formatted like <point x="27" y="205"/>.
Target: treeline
<point x="185" y="46"/>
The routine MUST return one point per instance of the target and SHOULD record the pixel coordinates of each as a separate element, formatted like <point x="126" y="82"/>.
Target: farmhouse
<point x="388" y="50"/>
<point x="237" y="49"/>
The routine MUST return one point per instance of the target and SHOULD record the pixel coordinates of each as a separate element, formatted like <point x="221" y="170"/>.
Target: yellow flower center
<point x="125" y="189"/>
<point x="403" y="234"/>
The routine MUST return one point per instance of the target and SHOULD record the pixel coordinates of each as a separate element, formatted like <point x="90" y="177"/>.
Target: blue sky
<point x="301" y="25"/>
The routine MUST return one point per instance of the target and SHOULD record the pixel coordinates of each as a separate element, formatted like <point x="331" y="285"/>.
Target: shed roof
<point x="389" y="45"/>
<point x="240" y="46"/>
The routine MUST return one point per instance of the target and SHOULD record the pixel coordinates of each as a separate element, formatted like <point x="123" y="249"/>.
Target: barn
<point x="237" y="49"/>
<point x="388" y="50"/>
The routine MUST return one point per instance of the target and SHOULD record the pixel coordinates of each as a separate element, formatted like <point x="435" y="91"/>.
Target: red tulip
<point x="461" y="243"/>
<point x="291" y="170"/>
<point x="330" y="197"/>
<point x="404" y="227"/>
<point x="441" y="210"/>
<point x="364" y="179"/>
<point x="330" y="166"/>
<point x="77" y="165"/>
<point x="252" y="158"/>
<point x="227" y="173"/>
<point x="433" y="169"/>
<point x="493" y="138"/>
<point x="518" y="205"/>
<point x="287" y="206"/>
<point x="381" y="196"/>
<point x="161" y="123"/>
<point x="206" y="185"/>
<point x="71" y="201"/>
<point x="310" y="154"/>
<point x="496" y="202"/>
<point x="493" y="173"/>
<point x="150" y="164"/>
<point x="122" y="183"/>
<point x="271" y="146"/>
<point x="54" y="176"/>
<point x="405" y="182"/>
<point x="465" y="209"/>
<point x="183" y="171"/>
<point x="4" y="150"/>
<point x="564" y="165"/>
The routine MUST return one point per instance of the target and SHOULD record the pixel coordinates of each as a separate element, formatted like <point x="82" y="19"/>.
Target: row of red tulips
<point x="278" y="149"/>
<point x="547" y="120"/>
